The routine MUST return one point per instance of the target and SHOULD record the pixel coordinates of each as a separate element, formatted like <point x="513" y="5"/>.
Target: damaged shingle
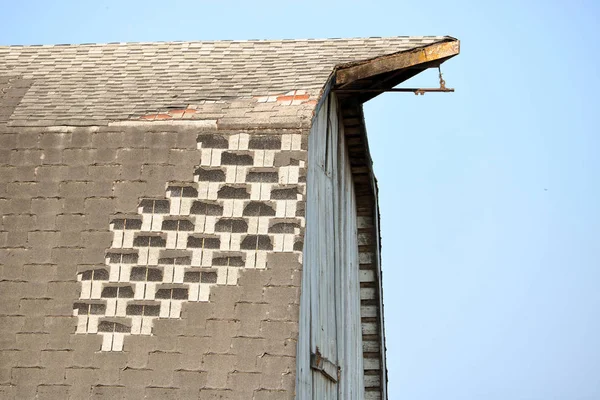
<point x="210" y="174"/>
<point x="230" y="192"/>
<point x="213" y="141"/>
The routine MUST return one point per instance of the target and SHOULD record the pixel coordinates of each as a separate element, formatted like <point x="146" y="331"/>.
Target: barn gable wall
<point x="83" y="206"/>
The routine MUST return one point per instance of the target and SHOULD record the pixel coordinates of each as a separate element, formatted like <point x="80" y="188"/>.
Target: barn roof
<point x="80" y="84"/>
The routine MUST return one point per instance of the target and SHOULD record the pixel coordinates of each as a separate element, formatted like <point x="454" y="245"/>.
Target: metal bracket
<point x="442" y="87"/>
<point x="326" y="367"/>
<point x="416" y="91"/>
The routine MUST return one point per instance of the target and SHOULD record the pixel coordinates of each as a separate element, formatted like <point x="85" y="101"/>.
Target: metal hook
<point x="442" y="87"/>
<point x="442" y="81"/>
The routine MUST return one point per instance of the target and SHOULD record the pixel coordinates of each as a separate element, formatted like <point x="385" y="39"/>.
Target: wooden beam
<point x="407" y="59"/>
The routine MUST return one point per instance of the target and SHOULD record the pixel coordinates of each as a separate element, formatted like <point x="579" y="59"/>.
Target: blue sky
<point x="490" y="196"/>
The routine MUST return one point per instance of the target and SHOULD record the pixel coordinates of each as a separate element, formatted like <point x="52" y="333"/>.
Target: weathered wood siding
<point x="330" y="314"/>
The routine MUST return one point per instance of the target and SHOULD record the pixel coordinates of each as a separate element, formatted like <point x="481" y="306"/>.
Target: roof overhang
<point x="366" y="79"/>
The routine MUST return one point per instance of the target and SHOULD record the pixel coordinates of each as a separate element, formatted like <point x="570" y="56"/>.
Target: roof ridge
<point x="98" y="44"/>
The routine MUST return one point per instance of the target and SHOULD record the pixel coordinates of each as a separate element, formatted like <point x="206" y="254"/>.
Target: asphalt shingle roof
<point x="121" y="80"/>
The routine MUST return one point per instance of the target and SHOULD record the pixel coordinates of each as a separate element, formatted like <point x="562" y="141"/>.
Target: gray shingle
<point x="116" y="81"/>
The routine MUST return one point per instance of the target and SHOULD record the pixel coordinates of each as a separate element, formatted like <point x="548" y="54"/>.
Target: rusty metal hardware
<point x="419" y="91"/>
<point x="442" y="87"/>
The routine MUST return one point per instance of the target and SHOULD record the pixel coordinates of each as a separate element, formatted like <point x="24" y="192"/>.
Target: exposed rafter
<point x="367" y="79"/>
<point x="440" y="51"/>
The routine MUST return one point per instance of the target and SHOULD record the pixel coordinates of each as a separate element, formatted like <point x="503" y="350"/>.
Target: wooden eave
<point x="379" y="74"/>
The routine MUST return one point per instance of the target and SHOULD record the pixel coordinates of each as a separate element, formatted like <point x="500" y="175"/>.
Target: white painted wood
<point x="370" y="328"/>
<point x="372" y="363"/>
<point x="368" y="293"/>
<point x="373" y="395"/>
<point x="349" y="327"/>
<point x="371" y="346"/>
<point x="367" y="275"/>
<point x="330" y="320"/>
<point x="372" y="380"/>
<point x="368" y="311"/>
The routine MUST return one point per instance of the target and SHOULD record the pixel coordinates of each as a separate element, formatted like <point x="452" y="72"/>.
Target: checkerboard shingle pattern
<point x="61" y="191"/>
<point x="242" y="205"/>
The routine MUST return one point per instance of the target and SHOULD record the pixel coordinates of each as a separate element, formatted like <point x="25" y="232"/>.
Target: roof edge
<point x="438" y="52"/>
